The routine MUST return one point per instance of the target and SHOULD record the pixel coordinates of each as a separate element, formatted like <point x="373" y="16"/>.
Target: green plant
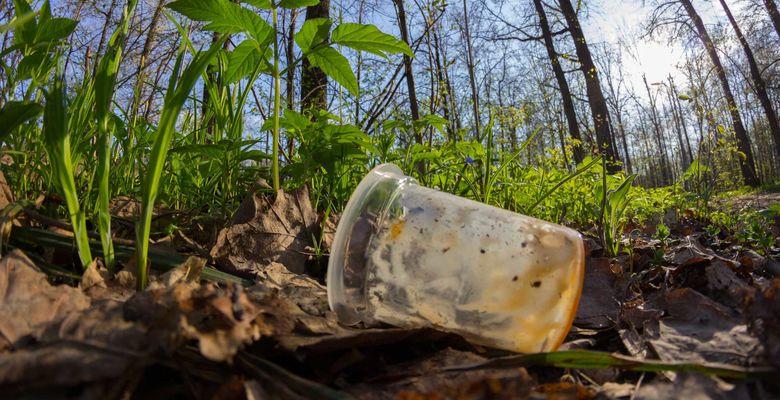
<point x="178" y="91"/>
<point x="57" y="140"/>
<point x="314" y="39"/>
<point x="662" y="232"/>
<point x="104" y="84"/>
<point x="614" y="203"/>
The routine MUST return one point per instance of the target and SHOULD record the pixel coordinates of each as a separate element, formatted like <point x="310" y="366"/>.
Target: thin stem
<point x="277" y="102"/>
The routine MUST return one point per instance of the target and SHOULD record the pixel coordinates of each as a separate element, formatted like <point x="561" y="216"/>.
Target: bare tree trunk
<point x="665" y="166"/>
<point x="76" y="16"/>
<point x="758" y="81"/>
<point x="563" y="85"/>
<point x="290" y="78"/>
<point x="359" y="68"/>
<point x="211" y="73"/>
<point x="106" y="27"/>
<point x="681" y="115"/>
<point x="442" y="86"/>
<point x="678" y="124"/>
<point x="314" y="82"/>
<point x="142" y="73"/>
<point x="472" y="77"/>
<point x="774" y="15"/>
<point x="442" y="67"/>
<point x="413" y="106"/>
<point x="624" y="141"/>
<point x="596" y="101"/>
<point x="748" y="165"/>
<point x="290" y="56"/>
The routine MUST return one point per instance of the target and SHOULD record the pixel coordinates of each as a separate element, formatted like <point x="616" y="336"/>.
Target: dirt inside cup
<point x="411" y="256"/>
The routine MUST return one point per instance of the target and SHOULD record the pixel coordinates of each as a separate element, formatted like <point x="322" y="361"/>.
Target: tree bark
<point x="472" y="74"/>
<point x="563" y="85"/>
<point x="290" y="78"/>
<point x="758" y="81"/>
<point x="104" y="32"/>
<point x="774" y="14"/>
<point x="290" y="58"/>
<point x="747" y="166"/>
<point x="677" y="106"/>
<point x="142" y="73"/>
<point x="451" y="111"/>
<point x="413" y="105"/>
<point x="624" y="141"/>
<point x="596" y="101"/>
<point x="314" y="82"/>
<point x="665" y="165"/>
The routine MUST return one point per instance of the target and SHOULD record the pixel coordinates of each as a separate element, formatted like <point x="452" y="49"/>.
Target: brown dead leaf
<point x="763" y="311"/>
<point x="187" y="272"/>
<point x="602" y="292"/>
<point x="77" y="341"/>
<point x="469" y="385"/>
<point x="221" y="320"/>
<point x="98" y="284"/>
<point x="124" y="207"/>
<point x="329" y="231"/>
<point x="267" y="229"/>
<point x="690" y="252"/>
<point x="565" y="390"/>
<point x="28" y="301"/>
<point x="6" y="194"/>
<point x="305" y="292"/>
<point x="700" y="329"/>
<point x="692" y="386"/>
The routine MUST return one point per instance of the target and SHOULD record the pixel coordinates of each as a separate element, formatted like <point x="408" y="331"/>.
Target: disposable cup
<point x="411" y="256"/>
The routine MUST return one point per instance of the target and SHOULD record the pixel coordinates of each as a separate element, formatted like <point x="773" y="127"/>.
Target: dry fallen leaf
<point x="693" y="386"/>
<point x="28" y="301"/>
<point x="268" y="229"/>
<point x="602" y="292"/>
<point x="697" y="328"/>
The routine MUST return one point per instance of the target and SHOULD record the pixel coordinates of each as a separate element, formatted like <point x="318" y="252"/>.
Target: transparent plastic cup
<point x="411" y="256"/>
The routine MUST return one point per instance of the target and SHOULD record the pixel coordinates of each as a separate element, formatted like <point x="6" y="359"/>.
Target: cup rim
<point x="355" y="205"/>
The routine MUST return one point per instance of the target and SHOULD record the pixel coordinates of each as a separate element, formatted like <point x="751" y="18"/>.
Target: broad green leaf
<point x="44" y="12"/>
<point x="369" y="38"/>
<point x="291" y="4"/>
<point x="255" y="155"/>
<point x="313" y="32"/>
<point x="433" y="120"/>
<point x="225" y="17"/>
<point x="14" y="114"/>
<point x="54" y="29"/>
<point x="25" y="33"/>
<point x="17" y="22"/>
<point x="242" y="61"/>
<point x="336" y="66"/>
<point x="296" y="120"/>
<point x="33" y="65"/>
<point x="264" y="4"/>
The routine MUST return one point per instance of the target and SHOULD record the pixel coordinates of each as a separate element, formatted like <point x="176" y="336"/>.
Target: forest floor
<point x="690" y="316"/>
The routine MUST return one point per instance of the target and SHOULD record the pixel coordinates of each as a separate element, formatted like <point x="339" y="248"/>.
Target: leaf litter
<point x="674" y="318"/>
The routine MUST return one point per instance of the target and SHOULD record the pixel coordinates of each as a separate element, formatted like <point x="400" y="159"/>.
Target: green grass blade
<point x="57" y="140"/>
<point x="563" y="181"/>
<point x="105" y="83"/>
<point x="174" y="101"/>
<point x="587" y="359"/>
